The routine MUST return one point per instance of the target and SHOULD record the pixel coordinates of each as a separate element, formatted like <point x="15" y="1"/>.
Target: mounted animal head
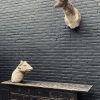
<point x="24" y="66"/>
<point x="72" y="15"/>
<point x="61" y="3"/>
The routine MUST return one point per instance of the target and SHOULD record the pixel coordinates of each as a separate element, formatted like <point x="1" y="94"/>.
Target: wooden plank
<point x="53" y="85"/>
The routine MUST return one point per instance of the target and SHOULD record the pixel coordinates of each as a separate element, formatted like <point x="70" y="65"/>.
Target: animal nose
<point x="31" y="68"/>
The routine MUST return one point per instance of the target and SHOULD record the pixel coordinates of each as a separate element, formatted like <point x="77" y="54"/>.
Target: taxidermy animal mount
<point x="72" y="15"/>
<point x="18" y="73"/>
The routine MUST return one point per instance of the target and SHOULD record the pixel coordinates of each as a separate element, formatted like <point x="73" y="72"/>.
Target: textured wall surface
<point x="35" y="31"/>
<point x="27" y="93"/>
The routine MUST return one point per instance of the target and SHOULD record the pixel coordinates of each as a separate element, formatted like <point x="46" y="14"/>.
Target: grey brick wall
<point x="35" y="31"/>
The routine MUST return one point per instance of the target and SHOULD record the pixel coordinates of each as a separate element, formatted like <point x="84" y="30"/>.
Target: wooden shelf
<point x="53" y="85"/>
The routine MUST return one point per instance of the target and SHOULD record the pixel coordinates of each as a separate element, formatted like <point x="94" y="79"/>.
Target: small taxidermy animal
<point x="18" y="73"/>
<point x="72" y="14"/>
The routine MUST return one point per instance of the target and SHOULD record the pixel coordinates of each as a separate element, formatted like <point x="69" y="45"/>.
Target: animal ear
<point x="25" y="61"/>
<point x="21" y="61"/>
<point x="62" y="0"/>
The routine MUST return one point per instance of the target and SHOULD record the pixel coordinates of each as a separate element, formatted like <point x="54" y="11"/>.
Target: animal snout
<point x="31" y="68"/>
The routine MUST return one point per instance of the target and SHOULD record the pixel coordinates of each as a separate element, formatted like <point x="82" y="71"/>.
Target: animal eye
<point x="19" y="68"/>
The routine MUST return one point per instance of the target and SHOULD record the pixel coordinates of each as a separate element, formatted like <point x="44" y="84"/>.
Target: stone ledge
<point x="53" y="85"/>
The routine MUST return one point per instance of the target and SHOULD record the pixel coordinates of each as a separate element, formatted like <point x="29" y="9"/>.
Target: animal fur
<point x="72" y="15"/>
<point x="18" y="73"/>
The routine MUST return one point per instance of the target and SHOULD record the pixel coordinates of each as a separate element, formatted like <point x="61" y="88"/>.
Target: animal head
<point x="61" y="3"/>
<point x="24" y="66"/>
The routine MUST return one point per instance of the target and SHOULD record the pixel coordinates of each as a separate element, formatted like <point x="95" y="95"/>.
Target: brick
<point x="39" y="92"/>
<point x="20" y="90"/>
<point x="16" y="96"/>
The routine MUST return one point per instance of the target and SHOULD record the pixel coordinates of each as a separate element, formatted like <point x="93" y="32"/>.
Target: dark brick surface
<point x="4" y="94"/>
<point x="40" y="94"/>
<point x="20" y="90"/>
<point x="35" y="31"/>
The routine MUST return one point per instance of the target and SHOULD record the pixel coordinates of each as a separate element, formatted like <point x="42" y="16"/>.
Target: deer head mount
<point x="72" y="15"/>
